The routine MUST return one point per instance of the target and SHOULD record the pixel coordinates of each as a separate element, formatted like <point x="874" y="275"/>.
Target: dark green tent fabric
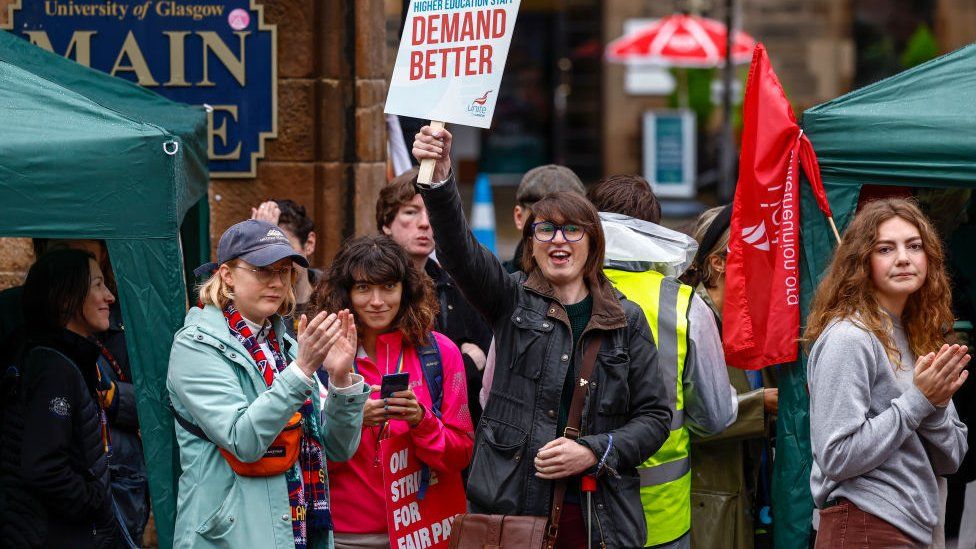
<point x="915" y="129"/>
<point x="86" y="155"/>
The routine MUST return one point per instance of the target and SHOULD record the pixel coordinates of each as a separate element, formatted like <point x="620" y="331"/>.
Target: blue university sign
<point x="214" y="52"/>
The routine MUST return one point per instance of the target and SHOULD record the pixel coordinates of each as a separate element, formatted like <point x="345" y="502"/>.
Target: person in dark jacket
<point x="127" y="462"/>
<point x="401" y="215"/>
<point x="54" y="466"/>
<point x="732" y="470"/>
<point x="542" y="318"/>
<point x="130" y="485"/>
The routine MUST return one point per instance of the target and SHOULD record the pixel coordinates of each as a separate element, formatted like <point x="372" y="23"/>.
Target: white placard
<point x="451" y="59"/>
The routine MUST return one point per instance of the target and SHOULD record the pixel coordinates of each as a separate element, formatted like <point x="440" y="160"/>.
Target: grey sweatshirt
<point x="877" y="441"/>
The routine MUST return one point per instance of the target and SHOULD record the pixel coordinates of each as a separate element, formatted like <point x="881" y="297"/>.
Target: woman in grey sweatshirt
<point x="882" y="425"/>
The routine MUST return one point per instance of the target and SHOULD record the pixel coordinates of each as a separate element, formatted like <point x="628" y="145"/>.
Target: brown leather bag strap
<point x="572" y="431"/>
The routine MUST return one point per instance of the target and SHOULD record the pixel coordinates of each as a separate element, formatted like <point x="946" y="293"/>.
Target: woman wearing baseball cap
<point x="253" y="444"/>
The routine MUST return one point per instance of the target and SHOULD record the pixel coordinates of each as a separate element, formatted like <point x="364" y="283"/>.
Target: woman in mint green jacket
<point x="236" y="379"/>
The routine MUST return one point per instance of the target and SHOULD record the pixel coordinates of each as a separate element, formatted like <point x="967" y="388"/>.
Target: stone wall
<point x="330" y="153"/>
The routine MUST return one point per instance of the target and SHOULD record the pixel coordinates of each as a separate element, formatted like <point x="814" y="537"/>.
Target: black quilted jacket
<point x="54" y="475"/>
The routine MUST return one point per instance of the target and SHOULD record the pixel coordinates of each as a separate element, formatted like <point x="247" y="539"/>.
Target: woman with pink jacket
<point x="394" y="307"/>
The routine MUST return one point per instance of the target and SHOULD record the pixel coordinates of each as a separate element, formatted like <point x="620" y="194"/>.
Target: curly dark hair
<point x="379" y="260"/>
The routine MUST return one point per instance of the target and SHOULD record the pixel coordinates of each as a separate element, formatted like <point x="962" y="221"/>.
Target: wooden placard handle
<point x="427" y="164"/>
<point x="834" y="228"/>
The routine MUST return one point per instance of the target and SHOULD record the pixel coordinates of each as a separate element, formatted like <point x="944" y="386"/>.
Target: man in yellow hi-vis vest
<point x="688" y="342"/>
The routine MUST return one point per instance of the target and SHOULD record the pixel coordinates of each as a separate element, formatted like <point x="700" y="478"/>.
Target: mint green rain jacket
<point x="214" y="383"/>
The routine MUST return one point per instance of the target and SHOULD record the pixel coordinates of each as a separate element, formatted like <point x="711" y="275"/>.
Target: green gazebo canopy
<point x="914" y="129"/>
<point x="86" y="155"/>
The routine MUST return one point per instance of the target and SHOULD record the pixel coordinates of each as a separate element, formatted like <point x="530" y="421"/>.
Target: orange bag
<point x="281" y="455"/>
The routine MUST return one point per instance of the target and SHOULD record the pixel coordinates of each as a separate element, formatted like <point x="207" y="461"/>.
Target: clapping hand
<point x="338" y="363"/>
<point x="315" y="339"/>
<point x="939" y="375"/>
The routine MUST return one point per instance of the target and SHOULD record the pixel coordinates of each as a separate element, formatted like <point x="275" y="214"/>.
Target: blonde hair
<point x="216" y="292"/>
<point x="709" y="277"/>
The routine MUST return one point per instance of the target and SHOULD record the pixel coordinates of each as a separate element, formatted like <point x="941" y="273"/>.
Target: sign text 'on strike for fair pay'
<point x="454" y="61"/>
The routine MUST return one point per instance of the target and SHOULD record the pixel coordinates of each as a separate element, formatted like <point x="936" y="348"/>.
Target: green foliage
<point x="921" y="47"/>
<point x="697" y="84"/>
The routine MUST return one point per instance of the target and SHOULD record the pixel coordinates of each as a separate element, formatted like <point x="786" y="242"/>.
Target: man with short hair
<point x="689" y="349"/>
<point x="401" y="214"/>
<point x="535" y="185"/>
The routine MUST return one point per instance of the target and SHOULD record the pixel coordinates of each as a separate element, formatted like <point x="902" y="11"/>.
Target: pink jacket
<point x="446" y="444"/>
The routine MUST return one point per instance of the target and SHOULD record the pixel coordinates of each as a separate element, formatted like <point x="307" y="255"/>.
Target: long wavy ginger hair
<point x="847" y="290"/>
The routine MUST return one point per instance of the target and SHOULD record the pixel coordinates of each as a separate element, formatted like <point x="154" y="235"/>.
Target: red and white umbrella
<point x="681" y="41"/>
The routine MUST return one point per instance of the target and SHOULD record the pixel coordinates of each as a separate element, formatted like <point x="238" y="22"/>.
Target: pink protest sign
<point x="415" y="524"/>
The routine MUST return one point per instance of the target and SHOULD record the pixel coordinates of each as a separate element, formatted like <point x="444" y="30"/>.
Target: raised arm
<point x="482" y="278"/>
<point x="207" y="387"/>
<point x="943" y="433"/>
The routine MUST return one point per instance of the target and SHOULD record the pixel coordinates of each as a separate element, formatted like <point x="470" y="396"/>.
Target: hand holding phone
<point x="405" y="406"/>
<point x="393" y="383"/>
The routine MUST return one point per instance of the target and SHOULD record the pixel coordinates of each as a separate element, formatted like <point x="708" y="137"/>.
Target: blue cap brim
<point x="271" y="254"/>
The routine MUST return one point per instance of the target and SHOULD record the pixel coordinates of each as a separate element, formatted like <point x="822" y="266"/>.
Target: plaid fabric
<point x="308" y="494"/>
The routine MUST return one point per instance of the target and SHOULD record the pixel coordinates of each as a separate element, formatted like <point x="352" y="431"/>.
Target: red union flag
<point x="761" y="315"/>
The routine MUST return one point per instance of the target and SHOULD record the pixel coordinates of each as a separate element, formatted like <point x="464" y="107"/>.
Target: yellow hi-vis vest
<point x="666" y="476"/>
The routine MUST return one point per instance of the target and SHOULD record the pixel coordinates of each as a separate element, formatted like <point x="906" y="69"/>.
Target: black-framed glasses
<point x="545" y="231"/>
<point x="264" y="275"/>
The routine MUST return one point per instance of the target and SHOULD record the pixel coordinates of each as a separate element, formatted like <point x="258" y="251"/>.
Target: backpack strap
<point x="430" y="362"/>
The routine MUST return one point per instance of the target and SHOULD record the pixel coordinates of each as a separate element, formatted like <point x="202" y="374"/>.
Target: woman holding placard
<point x="554" y="323"/>
<point x="419" y="393"/>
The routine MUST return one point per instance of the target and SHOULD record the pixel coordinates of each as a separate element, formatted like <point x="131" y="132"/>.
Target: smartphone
<point x="393" y="383"/>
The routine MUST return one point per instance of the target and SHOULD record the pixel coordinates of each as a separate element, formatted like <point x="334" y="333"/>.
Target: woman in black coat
<point x="542" y="319"/>
<point x="55" y="442"/>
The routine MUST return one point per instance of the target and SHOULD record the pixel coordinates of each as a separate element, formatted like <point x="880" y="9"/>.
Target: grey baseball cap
<point x="258" y="242"/>
<point x="544" y="180"/>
